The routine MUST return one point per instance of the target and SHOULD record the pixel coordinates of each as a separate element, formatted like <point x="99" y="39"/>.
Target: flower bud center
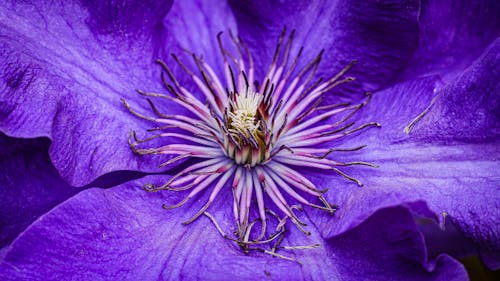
<point x="245" y="143"/>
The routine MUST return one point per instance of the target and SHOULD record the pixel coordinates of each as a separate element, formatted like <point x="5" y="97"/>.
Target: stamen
<point x="250" y="137"/>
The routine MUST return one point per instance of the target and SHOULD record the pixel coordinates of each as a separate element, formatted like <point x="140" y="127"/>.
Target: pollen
<point x="243" y="113"/>
<point x="252" y="137"/>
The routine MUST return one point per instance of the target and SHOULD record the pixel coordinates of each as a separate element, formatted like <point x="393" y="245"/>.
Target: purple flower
<point x="65" y="68"/>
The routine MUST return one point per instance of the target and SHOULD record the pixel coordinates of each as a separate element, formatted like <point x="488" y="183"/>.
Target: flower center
<point x="243" y="113"/>
<point x="245" y="143"/>
<point x="253" y="139"/>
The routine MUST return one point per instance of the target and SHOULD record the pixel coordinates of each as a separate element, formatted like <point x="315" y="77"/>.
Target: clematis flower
<point x="65" y="68"/>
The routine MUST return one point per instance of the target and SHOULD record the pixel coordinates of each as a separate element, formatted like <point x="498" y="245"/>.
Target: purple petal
<point x="403" y="254"/>
<point x="30" y="185"/>
<point x="448" y="165"/>
<point x="446" y="238"/>
<point x="127" y="18"/>
<point x="453" y="34"/>
<point x="468" y="108"/>
<point x="381" y="36"/>
<point x="124" y="233"/>
<point x="193" y="26"/>
<point x="63" y="71"/>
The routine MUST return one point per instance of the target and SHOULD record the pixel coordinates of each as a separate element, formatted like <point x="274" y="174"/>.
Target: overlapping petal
<point x="29" y="185"/>
<point x="453" y="35"/>
<point x="381" y="36"/>
<point x="123" y="231"/>
<point x="63" y="70"/>
<point x="447" y="165"/>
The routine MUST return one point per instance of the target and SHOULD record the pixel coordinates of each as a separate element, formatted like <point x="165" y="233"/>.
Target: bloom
<point x="116" y="227"/>
<point x="252" y="137"/>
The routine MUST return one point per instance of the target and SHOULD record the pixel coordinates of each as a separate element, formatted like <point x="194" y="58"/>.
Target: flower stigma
<point x="253" y="138"/>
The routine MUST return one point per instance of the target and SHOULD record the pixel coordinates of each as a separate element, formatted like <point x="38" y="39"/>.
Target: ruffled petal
<point x="380" y="36"/>
<point x="399" y="247"/>
<point x="446" y="238"/>
<point x="64" y="67"/>
<point x="447" y="167"/>
<point x="29" y="185"/>
<point x="124" y="233"/>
